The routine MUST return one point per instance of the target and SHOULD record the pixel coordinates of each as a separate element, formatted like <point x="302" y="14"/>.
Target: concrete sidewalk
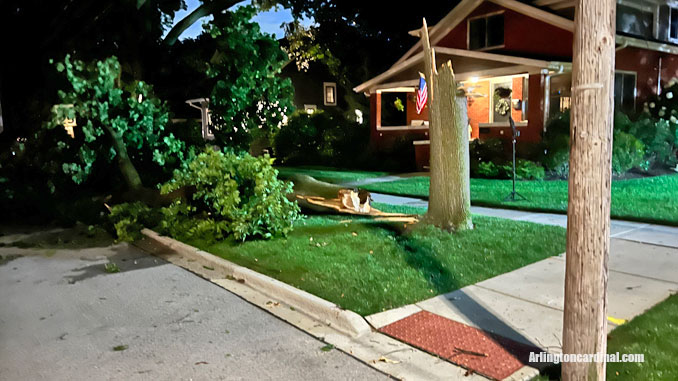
<point x="627" y="230"/>
<point x="526" y="305"/>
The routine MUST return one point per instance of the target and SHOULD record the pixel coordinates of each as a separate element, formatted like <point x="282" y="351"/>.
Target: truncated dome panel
<point x="478" y="351"/>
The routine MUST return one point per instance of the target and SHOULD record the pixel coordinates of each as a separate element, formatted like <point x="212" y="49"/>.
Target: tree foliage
<point x="249" y="99"/>
<point x="115" y="120"/>
<point x="236" y="194"/>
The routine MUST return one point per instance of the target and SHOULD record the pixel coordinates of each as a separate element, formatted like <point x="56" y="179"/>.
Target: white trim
<point x="401" y="89"/>
<point x="492" y="57"/>
<point x="522" y="123"/>
<point x="421" y="142"/>
<point x="524" y="65"/>
<point x="402" y="128"/>
<point x="393" y="70"/>
<point x="644" y="44"/>
<point x="332" y="85"/>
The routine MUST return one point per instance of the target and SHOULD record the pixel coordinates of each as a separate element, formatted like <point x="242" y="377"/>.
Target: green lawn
<point x="653" y="334"/>
<point x="367" y="266"/>
<point x="652" y="199"/>
<point x="329" y="175"/>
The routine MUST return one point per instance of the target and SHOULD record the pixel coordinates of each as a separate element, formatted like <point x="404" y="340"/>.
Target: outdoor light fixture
<point x="68" y="126"/>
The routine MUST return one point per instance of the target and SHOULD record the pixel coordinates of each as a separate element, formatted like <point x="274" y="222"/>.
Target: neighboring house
<point x="315" y="88"/>
<point x="526" y="47"/>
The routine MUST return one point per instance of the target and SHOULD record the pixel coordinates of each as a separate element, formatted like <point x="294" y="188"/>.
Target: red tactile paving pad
<point x="481" y="352"/>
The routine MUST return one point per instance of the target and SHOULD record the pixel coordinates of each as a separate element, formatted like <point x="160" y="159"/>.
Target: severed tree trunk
<point x="588" y="224"/>
<point x="449" y="206"/>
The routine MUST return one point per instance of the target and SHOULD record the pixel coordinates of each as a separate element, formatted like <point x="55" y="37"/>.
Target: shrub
<point x="525" y="170"/>
<point x="322" y="138"/>
<point x="660" y="138"/>
<point x="128" y="220"/>
<point x="487" y="169"/>
<point x="484" y="156"/>
<point x="557" y="145"/>
<point x="238" y="194"/>
<point x="627" y="153"/>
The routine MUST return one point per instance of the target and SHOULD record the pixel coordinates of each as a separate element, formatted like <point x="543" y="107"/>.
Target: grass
<point x="367" y="266"/>
<point x="652" y="199"/>
<point x="654" y="335"/>
<point x="329" y="175"/>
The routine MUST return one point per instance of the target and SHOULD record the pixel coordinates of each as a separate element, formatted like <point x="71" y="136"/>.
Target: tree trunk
<point x="588" y="225"/>
<point x="127" y="169"/>
<point x="449" y="205"/>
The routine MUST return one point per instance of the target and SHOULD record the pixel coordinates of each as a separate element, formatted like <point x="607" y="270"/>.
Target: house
<point x="314" y="87"/>
<point x="526" y="47"/>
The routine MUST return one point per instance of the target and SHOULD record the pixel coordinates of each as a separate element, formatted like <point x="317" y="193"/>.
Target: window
<point x="486" y="32"/>
<point x="634" y="20"/>
<point x="625" y="90"/>
<point x="673" y="25"/>
<point x="330" y="93"/>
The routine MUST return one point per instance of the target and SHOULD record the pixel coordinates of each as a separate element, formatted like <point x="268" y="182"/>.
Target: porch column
<point x="375" y="118"/>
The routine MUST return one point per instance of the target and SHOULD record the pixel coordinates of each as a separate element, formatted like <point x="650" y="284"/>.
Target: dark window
<point x="673" y="29"/>
<point x="631" y="20"/>
<point x="625" y="91"/>
<point x="486" y="32"/>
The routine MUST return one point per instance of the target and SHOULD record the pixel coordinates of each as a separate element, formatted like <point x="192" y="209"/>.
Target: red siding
<point x="646" y="65"/>
<point x="529" y="36"/>
<point x="522" y="34"/>
<point x="669" y="68"/>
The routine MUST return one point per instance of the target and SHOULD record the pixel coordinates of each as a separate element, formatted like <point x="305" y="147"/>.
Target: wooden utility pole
<point x="449" y="204"/>
<point x="588" y="224"/>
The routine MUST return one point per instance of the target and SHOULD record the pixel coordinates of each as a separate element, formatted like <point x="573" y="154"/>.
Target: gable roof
<point x="464" y="9"/>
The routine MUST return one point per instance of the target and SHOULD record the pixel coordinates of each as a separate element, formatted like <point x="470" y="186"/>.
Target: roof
<point x="466" y="63"/>
<point x="450" y="21"/>
<point x="558" y="13"/>
<point x="465" y="7"/>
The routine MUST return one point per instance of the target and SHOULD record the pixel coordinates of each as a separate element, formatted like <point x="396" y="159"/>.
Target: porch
<point x="393" y="98"/>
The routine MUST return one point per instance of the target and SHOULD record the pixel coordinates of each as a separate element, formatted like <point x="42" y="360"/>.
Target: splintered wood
<point x="358" y="204"/>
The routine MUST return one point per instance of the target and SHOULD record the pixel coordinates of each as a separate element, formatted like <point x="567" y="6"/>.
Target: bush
<point x="128" y="220"/>
<point x="484" y="156"/>
<point x="660" y="138"/>
<point x="322" y="138"/>
<point x="525" y="170"/>
<point x="557" y="145"/>
<point x="627" y="153"/>
<point x="235" y="194"/>
<point x="487" y="169"/>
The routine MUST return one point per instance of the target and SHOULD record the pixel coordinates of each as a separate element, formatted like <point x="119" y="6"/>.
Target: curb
<point x="317" y="308"/>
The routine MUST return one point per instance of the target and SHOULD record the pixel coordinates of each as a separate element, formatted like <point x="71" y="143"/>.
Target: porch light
<point x="473" y="79"/>
<point x="68" y="126"/>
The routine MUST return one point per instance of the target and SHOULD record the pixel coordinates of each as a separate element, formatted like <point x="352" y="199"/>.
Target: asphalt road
<point x="62" y="317"/>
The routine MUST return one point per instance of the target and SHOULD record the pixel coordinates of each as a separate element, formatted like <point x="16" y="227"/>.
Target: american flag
<point x="422" y="95"/>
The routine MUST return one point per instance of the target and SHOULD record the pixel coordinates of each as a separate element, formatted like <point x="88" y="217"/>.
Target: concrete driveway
<point x="63" y="317"/>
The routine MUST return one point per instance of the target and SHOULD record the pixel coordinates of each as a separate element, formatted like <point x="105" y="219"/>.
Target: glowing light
<point x="68" y="126"/>
<point x="473" y="79"/>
